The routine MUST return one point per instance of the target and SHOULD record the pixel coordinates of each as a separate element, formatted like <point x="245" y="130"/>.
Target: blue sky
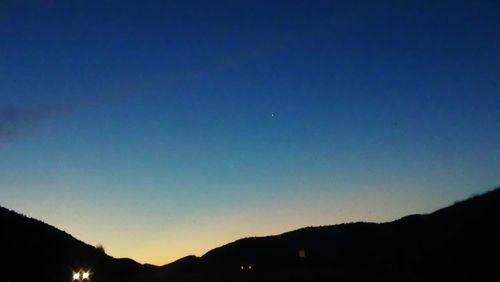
<point x="167" y="129"/>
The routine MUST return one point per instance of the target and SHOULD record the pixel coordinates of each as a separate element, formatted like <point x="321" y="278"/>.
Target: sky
<point x="162" y="129"/>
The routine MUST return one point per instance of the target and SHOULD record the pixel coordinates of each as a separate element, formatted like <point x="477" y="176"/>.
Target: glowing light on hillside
<point x="302" y="253"/>
<point x="85" y="275"/>
<point x="81" y="275"/>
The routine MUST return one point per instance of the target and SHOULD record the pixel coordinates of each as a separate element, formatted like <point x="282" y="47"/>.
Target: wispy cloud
<point x="18" y="121"/>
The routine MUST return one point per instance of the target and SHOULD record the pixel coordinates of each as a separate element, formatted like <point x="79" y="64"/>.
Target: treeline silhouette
<point x="35" y="251"/>
<point x="457" y="243"/>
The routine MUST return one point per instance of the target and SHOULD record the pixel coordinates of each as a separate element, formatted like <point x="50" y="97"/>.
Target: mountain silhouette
<point x="457" y="243"/>
<point x="34" y="251"/>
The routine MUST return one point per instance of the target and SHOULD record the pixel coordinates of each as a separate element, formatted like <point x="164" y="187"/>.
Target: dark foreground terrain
<point x="457" y="243"/>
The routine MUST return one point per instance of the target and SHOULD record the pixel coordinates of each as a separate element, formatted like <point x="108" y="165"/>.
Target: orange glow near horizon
<point x="158" y="240"/>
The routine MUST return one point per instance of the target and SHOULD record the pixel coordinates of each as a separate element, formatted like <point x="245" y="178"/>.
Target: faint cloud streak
<point x="18" y="121"/>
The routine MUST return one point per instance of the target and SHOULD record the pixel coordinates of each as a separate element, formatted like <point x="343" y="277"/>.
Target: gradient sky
<point x="167" y="128"/>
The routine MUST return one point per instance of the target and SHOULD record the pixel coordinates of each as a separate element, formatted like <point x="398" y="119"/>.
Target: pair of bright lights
<point x="81" y="275"/>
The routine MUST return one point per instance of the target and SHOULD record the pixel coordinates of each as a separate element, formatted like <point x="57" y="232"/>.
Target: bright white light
<point x="85" y="275"/>
<point x="76" y="276"/>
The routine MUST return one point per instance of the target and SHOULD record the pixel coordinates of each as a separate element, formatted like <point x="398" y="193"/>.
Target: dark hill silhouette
<point x="457" y="243"/>
<point x="34" y="251"/>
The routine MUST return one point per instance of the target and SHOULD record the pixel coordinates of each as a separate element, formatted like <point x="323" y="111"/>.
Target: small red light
<point x="242" y="267"/>
<point x="250" y="267"/>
